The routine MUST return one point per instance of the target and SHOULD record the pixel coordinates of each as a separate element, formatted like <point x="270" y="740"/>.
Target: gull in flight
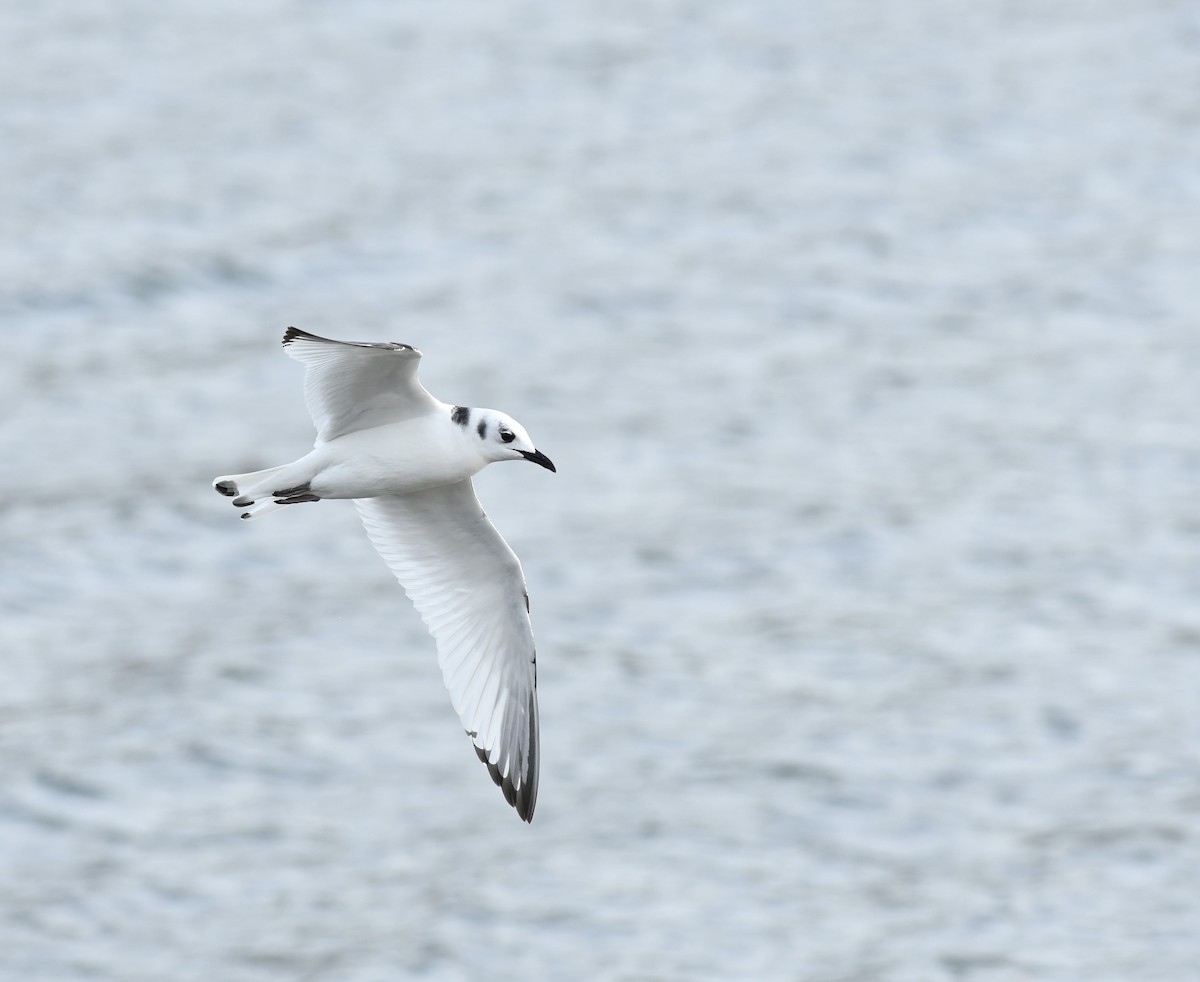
<point x="406" y="460"/>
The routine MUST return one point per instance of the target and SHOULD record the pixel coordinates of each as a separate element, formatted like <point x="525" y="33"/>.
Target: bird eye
<point x="507" y="436"/>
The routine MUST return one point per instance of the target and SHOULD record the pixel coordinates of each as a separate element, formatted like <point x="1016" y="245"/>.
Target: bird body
<point x="394" y="458"/>
<point x="406" y="459"/>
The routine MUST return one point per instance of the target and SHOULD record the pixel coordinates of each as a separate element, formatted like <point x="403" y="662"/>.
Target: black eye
<point x="507" y="436"/>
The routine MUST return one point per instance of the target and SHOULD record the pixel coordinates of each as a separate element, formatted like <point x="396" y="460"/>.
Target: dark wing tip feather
<point x="295" y="334"/>
<point x="524" y="798"/>
<point x="530" y="788"/>
<point x="519" y="798"/>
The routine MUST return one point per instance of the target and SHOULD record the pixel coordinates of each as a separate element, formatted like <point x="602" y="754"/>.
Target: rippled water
<point x="865" y="341"/>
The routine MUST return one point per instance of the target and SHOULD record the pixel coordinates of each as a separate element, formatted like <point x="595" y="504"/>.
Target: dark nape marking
<point x="461" y="415"/>
<point x="292" y="492"/>
<point x="481" y="429"/>
<point x="296" y="499"/>
<point x="227" y="488"/>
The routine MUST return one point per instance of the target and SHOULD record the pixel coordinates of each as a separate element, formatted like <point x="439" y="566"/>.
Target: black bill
<point x="539" y="458"/>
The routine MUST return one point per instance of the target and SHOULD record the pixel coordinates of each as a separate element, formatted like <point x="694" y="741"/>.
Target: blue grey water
<point x="866" y="339"/>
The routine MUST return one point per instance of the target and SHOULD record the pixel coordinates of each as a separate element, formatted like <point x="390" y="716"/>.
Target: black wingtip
<point x="530" y="788"/>
<point x="294" y="333"/>
<point x="524" y="798"/>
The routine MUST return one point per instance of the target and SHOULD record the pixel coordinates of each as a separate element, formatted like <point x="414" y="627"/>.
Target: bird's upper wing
<point x="351" y="386"/>
<point x="467" y="585"/>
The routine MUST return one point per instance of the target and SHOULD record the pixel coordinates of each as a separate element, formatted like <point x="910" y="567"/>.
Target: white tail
<point x="255" y="493"/>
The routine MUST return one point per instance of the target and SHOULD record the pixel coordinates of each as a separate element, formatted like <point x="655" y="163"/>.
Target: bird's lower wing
<point x="468" y="587"/>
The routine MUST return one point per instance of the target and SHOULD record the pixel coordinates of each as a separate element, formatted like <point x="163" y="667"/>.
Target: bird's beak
<point x="539" y="458"/>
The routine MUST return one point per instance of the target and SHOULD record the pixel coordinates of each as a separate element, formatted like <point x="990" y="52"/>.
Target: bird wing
<point x="467" y="585"/>
<point x="350" y="385"/>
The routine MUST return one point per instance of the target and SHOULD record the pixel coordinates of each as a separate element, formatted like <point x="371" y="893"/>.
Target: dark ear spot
<point x="481" y="429"/>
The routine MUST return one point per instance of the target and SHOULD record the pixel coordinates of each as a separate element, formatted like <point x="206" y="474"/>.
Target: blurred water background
<point x="865" y="339"/>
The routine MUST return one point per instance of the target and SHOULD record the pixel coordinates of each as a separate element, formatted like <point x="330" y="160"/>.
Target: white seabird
<point x="407" y="460"/>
